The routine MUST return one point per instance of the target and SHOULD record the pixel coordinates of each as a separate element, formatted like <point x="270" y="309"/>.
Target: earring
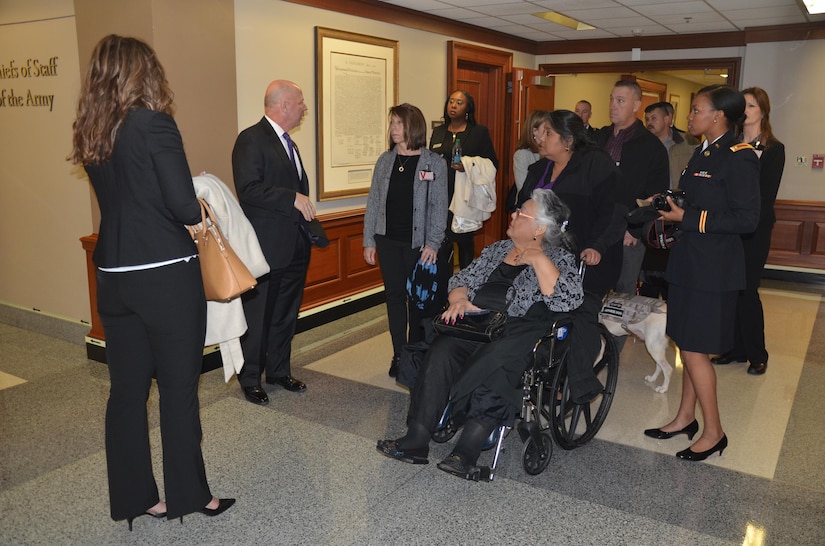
<point x="567" y="149"/>
<point x="534" y="237"/>
<point x="714" y="121"/>
<point x="466" y="115"/>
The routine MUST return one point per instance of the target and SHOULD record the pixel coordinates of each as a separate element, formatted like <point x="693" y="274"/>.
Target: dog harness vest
<point x="628" y="308"/>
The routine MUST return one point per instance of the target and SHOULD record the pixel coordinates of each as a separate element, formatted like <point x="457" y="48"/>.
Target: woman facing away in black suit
<point x="460" y="124"/>
<point x="706" y="267"/>
<point x="150" y="293"/>
<point x="750" y="319"/>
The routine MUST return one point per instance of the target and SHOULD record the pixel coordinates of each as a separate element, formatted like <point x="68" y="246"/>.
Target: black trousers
<point x="271" y="310"/>
<point x="481" y="379"/>
<point x="397" y="260"/>
<point x="446" y="360"/>
<point x="749" y="333"/>
<point x="155" y="324"/>
<point x="584" y="346"/>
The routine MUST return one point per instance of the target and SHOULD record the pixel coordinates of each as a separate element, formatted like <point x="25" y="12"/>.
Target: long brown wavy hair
<point x="764" y="103"/>
<point x="124" y="73"/>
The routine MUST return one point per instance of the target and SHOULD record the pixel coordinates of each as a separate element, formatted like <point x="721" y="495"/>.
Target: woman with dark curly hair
<point x="587" y="180"/>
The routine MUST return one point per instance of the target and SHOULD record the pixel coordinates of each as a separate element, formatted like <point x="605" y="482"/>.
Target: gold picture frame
<point x="356" y="83"/>
<point x="674" y="100"/>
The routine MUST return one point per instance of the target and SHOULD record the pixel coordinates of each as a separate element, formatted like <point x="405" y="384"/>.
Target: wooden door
<point x="528" y="90"/>
<point x="483" y="72"/>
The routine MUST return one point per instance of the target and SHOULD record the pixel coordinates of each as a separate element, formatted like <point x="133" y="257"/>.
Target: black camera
<point x="660" y="201"/>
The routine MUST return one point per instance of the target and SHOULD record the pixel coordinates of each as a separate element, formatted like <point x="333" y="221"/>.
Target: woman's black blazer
<point x="145" y="194"/>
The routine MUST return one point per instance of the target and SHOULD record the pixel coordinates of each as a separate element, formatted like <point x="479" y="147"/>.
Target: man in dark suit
<point x="643" y="161"/>
<point x="273" y="190"/>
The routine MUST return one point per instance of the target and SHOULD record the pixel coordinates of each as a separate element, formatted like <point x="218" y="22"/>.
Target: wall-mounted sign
<point x="31" y="68"/>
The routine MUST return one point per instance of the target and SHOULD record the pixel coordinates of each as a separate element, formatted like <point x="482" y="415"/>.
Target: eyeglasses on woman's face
<point x="520" y="212"/>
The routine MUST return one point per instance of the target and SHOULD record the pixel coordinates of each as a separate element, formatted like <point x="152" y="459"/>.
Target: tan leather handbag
<point x="224" y="275"/>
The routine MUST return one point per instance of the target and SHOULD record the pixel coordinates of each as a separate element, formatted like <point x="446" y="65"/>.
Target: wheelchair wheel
<point x="534" y="458"/>
<point x="573" y="425"/>
<point x="444" y="434"/>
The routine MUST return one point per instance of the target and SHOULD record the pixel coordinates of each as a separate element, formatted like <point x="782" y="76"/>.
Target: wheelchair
<point x="547" y="405"/>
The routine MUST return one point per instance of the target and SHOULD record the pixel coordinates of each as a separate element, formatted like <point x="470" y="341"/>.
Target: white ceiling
<point x="616" y="18"/>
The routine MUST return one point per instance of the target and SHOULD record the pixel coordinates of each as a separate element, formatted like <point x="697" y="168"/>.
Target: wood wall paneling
<point x="339" y="270"/>
<point x="335" y="272"/>
<point x="798" y="238"/>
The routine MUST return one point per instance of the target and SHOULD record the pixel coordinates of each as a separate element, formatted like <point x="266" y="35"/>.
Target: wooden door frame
<point x="732" y="64"/>
<point x="500" y="64"/>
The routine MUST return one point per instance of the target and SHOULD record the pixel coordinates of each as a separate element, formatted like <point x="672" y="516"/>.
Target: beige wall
<point x="596" y="89"/>
<point x="277" y="40"/>
<point x="790" y="72"/>
<point x="47" y="206"/>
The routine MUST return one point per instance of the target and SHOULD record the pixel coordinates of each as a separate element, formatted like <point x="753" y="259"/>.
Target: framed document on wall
<point x="674" y="101"/>
<point x="356" y="83"/>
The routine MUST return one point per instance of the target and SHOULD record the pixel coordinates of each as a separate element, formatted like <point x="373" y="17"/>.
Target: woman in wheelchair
<point x="533" y="275"/>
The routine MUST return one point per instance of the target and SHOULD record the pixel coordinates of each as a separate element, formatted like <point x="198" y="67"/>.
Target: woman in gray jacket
<point x="405" y="220"/>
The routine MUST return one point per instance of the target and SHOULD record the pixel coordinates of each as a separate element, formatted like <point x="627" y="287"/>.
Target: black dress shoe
<point x="223" y="506"/>
<point x="689" y="455"/>
<point x="394" y="366"/>
<point x="391" y="449"/>
<point x="158" y="515"/>
<point x="288" y="382"/>
<point x="758" y="369"/>
<point x="456" y="465"/>
<point x="256" y="395"/>
<point x="727" y="359"/>
<point x="660" y="434"/>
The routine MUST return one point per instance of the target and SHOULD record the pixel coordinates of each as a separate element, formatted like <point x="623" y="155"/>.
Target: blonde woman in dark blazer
<point x="150" y="293"/>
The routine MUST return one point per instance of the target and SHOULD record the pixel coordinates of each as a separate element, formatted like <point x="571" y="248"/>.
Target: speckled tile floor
<point x="305" y="471"/>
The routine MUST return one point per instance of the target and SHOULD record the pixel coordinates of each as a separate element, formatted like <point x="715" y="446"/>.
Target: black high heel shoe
<point x="689" y="455"/>
<point x="660" y="434"/>
<point x="159" y="515"/>
<point x="223" y="506"/>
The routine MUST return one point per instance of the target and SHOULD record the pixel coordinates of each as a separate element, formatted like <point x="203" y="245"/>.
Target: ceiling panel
<point x="615" y="17"/>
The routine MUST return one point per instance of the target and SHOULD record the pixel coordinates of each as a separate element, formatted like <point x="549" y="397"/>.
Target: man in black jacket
<point x="643" y="161"/>
<point x="273" y="190"/>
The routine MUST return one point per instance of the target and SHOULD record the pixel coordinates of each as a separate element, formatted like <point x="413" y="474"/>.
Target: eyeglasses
<point x="520" y="212"/>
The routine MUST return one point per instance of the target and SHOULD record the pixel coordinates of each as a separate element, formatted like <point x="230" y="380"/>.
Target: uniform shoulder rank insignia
<point x="741" y="146"/>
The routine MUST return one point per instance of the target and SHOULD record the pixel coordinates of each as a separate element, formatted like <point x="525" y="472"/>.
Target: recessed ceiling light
<point x="563" y="20"/>
<point x="814" y="6"/>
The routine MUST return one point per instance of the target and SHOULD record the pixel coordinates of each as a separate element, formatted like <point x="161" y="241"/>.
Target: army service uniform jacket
<point x="721" y="183"/>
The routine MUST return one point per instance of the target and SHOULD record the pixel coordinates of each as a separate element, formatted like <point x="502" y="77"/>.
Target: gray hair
<point x="554" y="215"/>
